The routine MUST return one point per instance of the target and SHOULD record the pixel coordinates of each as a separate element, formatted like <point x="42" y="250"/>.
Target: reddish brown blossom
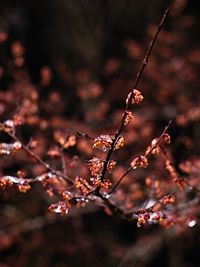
<point x="60" y="207"/>
<point x="129" y="117"/>
<point x="24" y="186"/>
<point x="82" y="185"/>
<point x="137" y="97"/>
<point x="95" y="166"/>
<point x="9" y="149"/>
<point x="139" y="162"/>
<point x="103" y="141"/>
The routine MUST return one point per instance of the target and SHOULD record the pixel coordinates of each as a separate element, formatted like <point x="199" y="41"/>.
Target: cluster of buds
<point x="139" y="162"/>
<point x="61" y="207"/>
<point x="148" y="216"/>
<point x="96" y="182"/>
<point x="111" y="165"/>
<point x="104" y="142"/>
<point x="136" y="95"/>
<point x="119" y="143"/>
<point x="83" y="186"/>
<point x="154" y="148"/>
<point x="22" y="184"/>
<point x="143" y="217"/>
<point x="129" y="117"/>
<point x="7" y="126"/>
<point x="95" y="166"/>
<point x="64" y="140"/>
<point x="67" y="195"/>
<point x="6" y="181"/>
<point x="9" y="149"/>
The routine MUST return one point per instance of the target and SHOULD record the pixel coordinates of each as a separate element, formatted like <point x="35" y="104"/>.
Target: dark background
<point x="81" y="35"/>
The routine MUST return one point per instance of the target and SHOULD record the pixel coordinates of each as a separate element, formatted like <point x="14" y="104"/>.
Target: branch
<point x="138" y="78"/>
<point x="147" y="156"/>
<point x="39" y="160"/>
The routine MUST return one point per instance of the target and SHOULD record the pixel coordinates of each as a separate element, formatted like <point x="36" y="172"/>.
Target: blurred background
<point x="75" y="62"/>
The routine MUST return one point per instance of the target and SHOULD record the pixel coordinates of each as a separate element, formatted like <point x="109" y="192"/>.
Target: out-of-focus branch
<point x="39" y="160"/>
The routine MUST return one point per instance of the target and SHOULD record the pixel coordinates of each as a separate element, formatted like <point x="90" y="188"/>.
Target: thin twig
<point x="128" y="105"/>
<point x="63" y="162"/>
<point x="39" y="160"/>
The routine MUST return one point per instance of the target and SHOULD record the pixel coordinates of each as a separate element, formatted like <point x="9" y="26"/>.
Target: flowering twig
<point x="128" y="104"/>
<point x="147" y="156"/>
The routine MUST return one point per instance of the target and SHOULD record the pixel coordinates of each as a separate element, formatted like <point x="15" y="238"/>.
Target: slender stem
<point x="63" y="161"/>
<point x="121" y="179"/>
<point x="128" y="105"/>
